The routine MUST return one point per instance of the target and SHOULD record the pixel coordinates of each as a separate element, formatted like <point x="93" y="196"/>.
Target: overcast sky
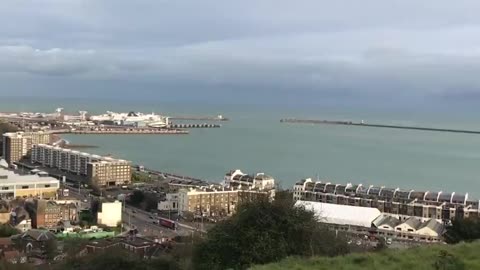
<point x="337" y="49"/>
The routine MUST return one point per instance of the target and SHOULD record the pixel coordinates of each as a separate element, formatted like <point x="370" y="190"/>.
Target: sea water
<point x="255" y="141"/>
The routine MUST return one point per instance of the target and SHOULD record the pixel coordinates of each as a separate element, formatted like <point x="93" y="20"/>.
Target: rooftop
<point x="38" y="235"/>
<point x="386" y="220"/>
<point x="341" y="214"/>
<point x="262" y="176"/>
<point x="82" y="154"/>
<point x="433" y="225"/>
<point x="102" y="243"/>
<point x="384" y="192"/>
<point x="138" y="241"/>
<point x="10" y="177"/>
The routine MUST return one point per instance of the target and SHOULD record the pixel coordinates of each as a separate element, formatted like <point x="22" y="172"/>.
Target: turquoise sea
<point x="255" y="141"/>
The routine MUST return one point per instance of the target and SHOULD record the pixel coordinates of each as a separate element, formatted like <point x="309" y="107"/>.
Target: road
<point x="136" y="218"/>
<point x="143" y="222"/>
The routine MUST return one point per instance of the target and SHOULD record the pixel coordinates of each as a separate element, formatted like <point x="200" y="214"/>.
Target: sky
<point x="250" y="50"/>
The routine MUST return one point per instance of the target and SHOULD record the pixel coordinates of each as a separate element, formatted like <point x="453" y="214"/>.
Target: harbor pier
<point x="363" y="124"/>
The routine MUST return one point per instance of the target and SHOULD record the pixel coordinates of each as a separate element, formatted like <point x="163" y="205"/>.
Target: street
<point x="139" y="220"/>
<point x="143" y="222"/>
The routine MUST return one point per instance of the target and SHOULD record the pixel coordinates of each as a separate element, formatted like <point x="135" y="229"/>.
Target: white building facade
<point x="110" y="214"/>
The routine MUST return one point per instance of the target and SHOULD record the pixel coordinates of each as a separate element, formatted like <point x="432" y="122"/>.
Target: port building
<point x="98" y="170"/>
<point x="39" y="185"/>
<point x="17" y="145"/>
<point x="395" y="202"/>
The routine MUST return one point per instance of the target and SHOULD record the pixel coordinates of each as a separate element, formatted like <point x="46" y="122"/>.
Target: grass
<point x="416" y="258"/>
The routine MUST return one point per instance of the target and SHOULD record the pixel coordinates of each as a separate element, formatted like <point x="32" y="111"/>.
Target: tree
<point x="6" y="230"/>
<point x="149" y="202"/>
<point x="51" y="249"/>
<point x="465" y="229"/>
<point x="8" y="266"/>
<point x="137" y="197"/>
<point x="115" y="259"/>
<point x="262" y="232"/>
<point x="73" y="246"/>
<point x="140" y="177"/>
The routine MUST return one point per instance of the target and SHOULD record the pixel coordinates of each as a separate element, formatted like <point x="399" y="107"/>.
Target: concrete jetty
<point x="131" y="131"/>
<point x="363" y="124"/>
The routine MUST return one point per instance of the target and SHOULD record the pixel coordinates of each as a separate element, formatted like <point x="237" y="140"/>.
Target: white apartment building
<point x="17" y="145"/>
<point x="104" y="171"/>
<point x="259" y="181"/>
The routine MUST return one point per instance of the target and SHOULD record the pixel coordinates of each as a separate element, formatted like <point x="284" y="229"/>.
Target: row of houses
<point x="366" y="220"/>
<point x="201" y="199"/>
<point x="401" y="204"/>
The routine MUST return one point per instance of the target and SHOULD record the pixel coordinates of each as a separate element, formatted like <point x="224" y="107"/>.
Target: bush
<point x="447" y="261"/>
<point x="467" y="229"/>
<point x="7" y="230"/>
<point x="262" y="232"/>
<point x="116" y="259"/>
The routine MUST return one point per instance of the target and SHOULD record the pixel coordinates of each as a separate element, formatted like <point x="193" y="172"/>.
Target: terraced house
<point x="401" y="204"/>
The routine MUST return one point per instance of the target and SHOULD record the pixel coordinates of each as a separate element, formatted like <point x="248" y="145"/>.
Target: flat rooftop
<point x="10" y="177"/>
<point x="83" y="154"/>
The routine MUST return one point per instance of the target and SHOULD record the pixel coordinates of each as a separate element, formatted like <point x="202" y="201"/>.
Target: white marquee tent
<point x="341" y="214"/>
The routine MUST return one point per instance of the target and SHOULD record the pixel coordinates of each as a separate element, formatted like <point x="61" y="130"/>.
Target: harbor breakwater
<point x="363" y="124"/>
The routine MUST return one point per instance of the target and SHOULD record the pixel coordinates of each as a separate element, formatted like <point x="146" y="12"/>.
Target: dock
<point x="131" y="131"/>
<point x="195" y="126"/>
<point x="363" y="124"/>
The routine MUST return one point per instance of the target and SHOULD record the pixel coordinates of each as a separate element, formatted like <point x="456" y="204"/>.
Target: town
<point x="50" y="193"/>
<point x="53" y="194"/>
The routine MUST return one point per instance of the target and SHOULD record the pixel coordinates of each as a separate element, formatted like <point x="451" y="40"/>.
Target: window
<point x="25" y="187"/>
<point x="47" y="185"/>
<point x="5" y="188"/>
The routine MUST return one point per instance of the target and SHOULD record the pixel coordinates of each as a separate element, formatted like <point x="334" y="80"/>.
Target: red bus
<point x="165" y="222"/>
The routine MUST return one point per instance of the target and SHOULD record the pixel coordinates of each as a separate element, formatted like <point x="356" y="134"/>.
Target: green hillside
<point x="461" y="256"/>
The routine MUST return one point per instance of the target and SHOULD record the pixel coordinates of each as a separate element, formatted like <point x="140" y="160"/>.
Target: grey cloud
<point x="352" y="47"/>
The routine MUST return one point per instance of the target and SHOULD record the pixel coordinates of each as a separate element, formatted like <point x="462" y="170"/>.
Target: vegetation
<point x="51" y="249"/>
<point x="8" y="266"/>
<point x="116" y="259"/>
<point x="6" y="127"/>
<point x="87" y="218"/>
<point x="263" y="232"/>
<point x="137" y="198"/>
<point x="145" y="201"/>
<point x="6" y="230"/>
<point x="438" y="257"/>
<point x="140" y="177"/>
<point x="465" y="229"/>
